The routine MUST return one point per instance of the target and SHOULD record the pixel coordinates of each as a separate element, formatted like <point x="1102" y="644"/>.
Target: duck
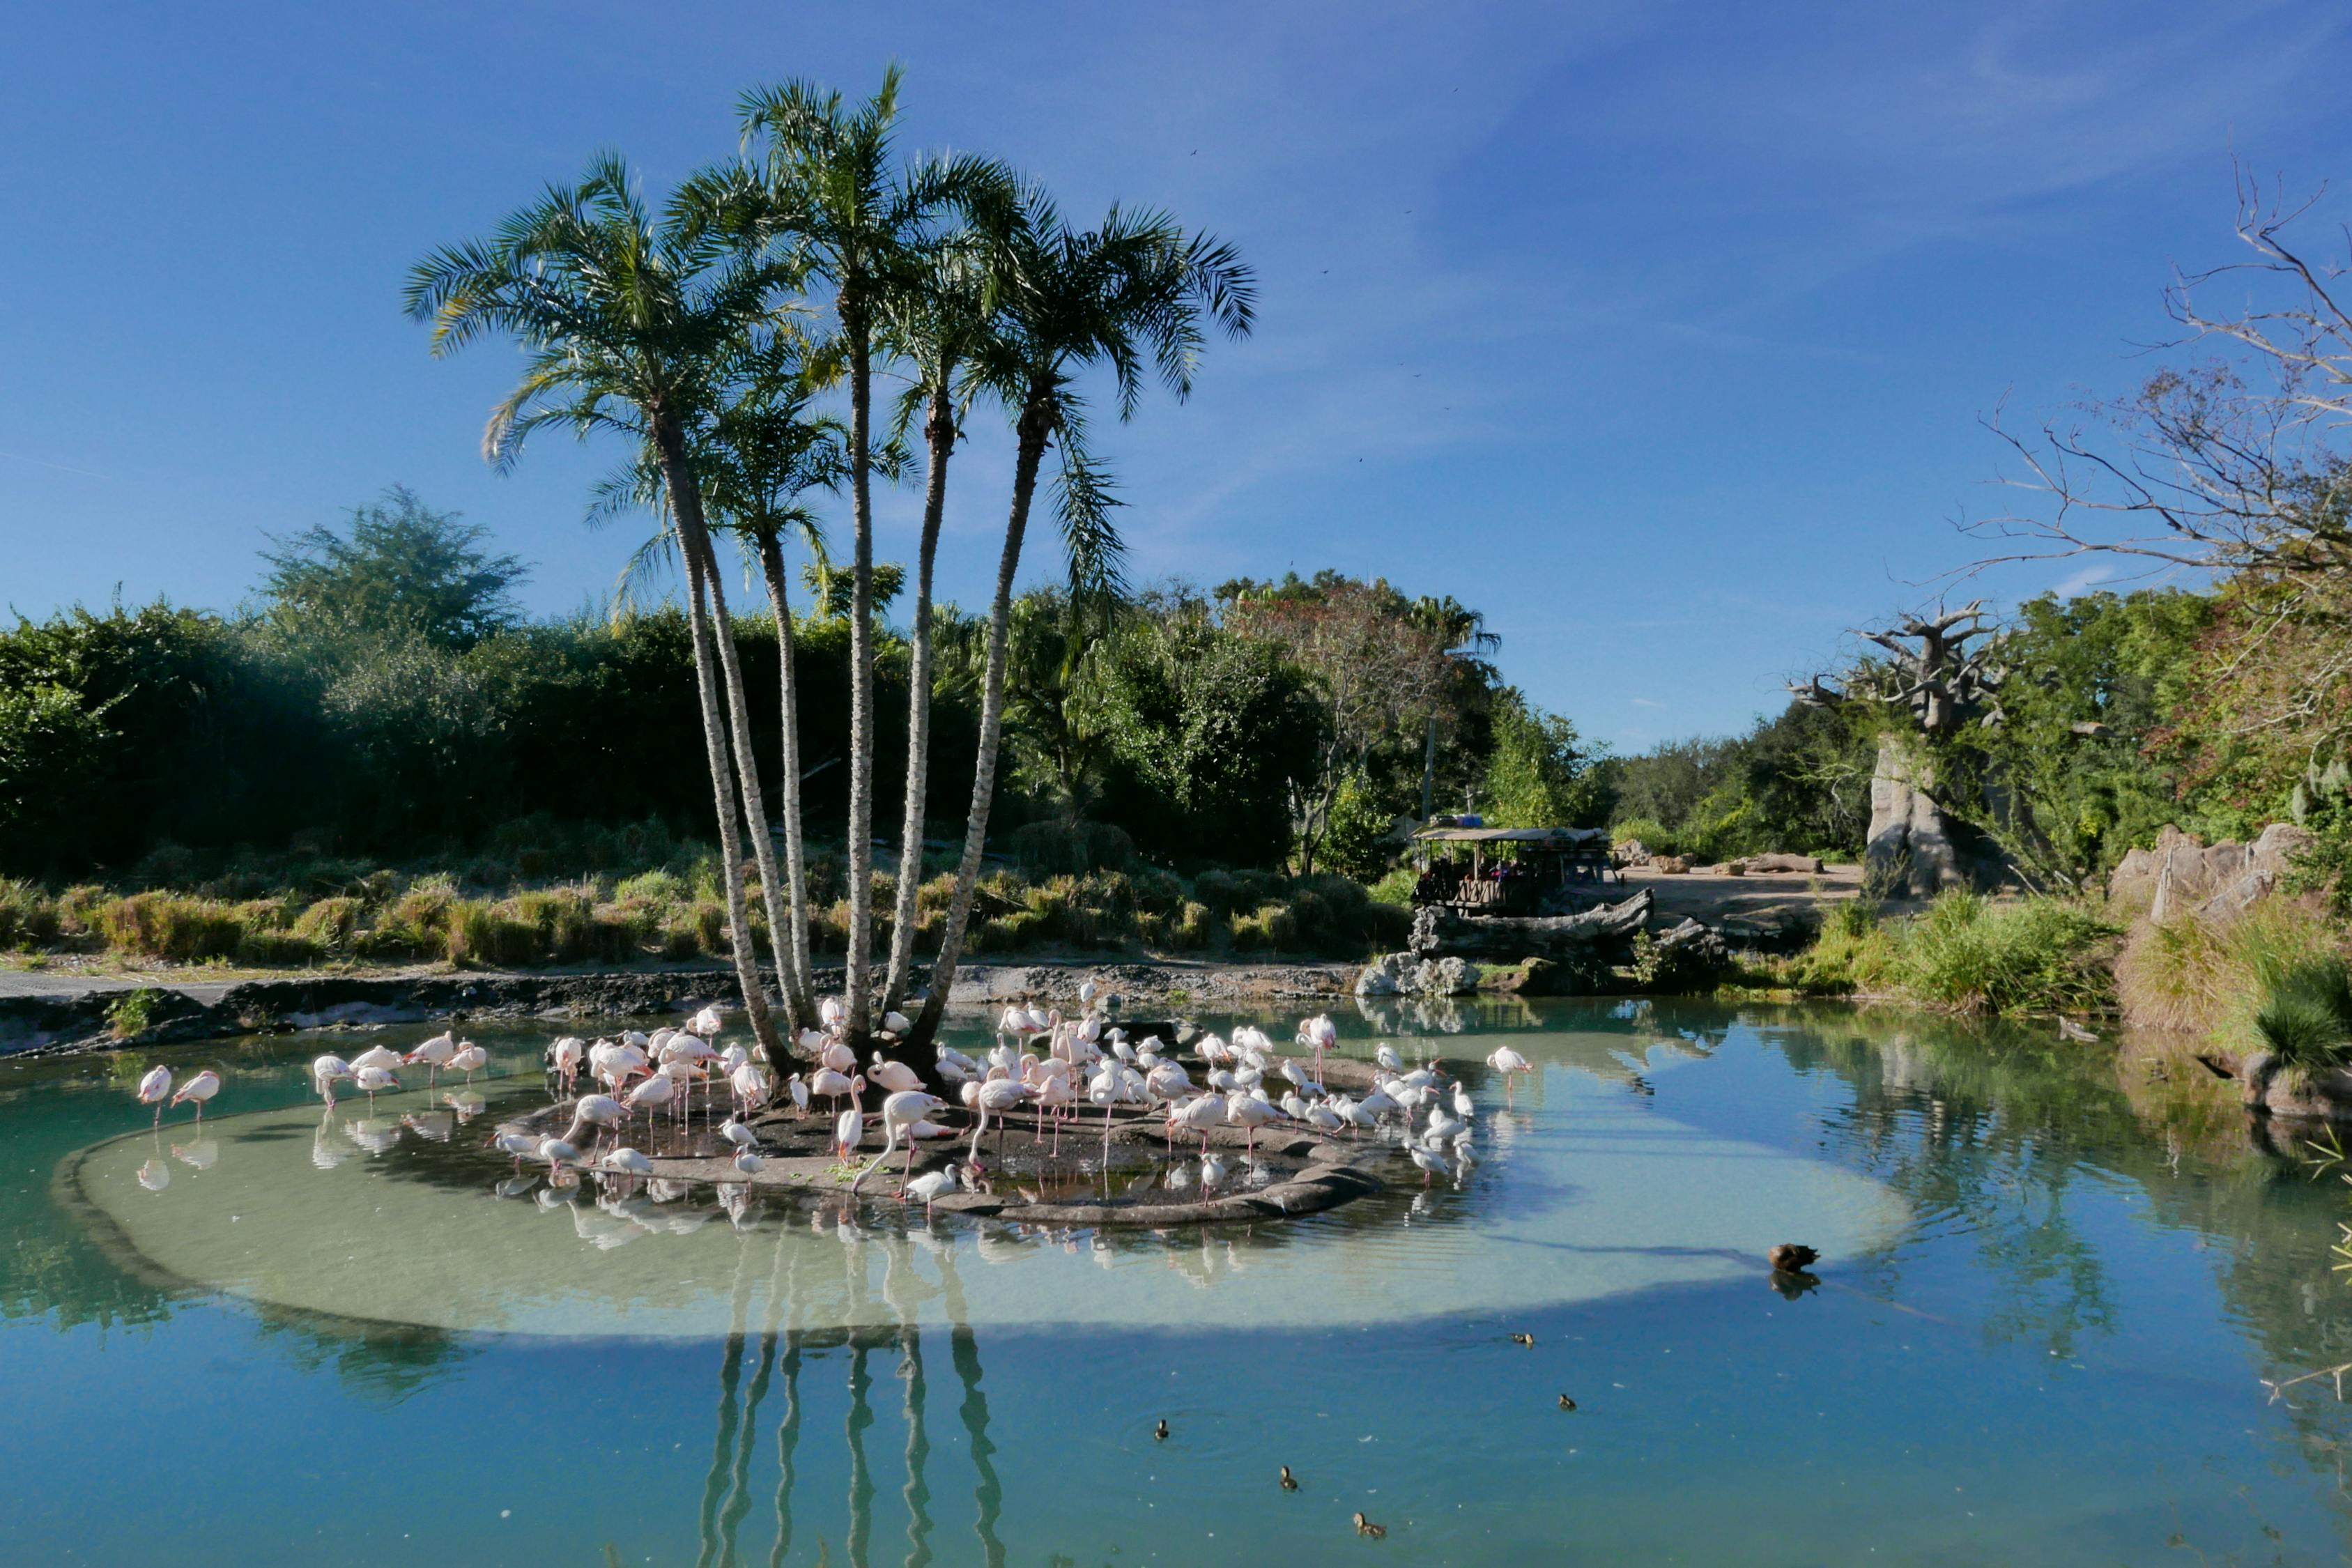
<point x="1289" y="1481"/>
<point x="1789" y="1257"/>
<point x="1366" y="1527"/>
<point x="1526" y="1339"/>
<point x="1565" y="1402"/>
<point x="1160" y="1433"/>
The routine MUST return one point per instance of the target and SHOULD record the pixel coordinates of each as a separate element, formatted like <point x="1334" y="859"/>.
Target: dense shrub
<point x="170" y="926"/>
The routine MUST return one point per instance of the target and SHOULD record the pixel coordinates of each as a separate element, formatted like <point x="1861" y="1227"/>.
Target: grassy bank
<point x="1963" y="954"/>
<point x="332" y="913"/>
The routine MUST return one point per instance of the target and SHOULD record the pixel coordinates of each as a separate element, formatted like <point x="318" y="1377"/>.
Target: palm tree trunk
<point x="798" y="983"/>
<point x="861" y="685"/>
<point x="1034" y="428"/>
<point x="939" y="432"/>
<point x="747" y="767"/>
<point x="685" y="506"/>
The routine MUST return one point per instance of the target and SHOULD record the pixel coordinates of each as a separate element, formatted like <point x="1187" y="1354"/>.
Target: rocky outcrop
<point x="1412" y="975"/>
<point x="2182" y="874"/>
<point x="1542" y="936"/>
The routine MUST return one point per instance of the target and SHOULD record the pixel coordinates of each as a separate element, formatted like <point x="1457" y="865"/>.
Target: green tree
<point x="1134" y="294"/>
<point x="397" y="570"/>
<point x="632" y="325"/>
<point x="1539" y="775"/>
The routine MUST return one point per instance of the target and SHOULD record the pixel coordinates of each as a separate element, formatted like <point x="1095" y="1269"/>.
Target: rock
<point x="1444" y="977"/>
<point x="1669" y="865"/>
<point x="2255" y="1070"/>
<point x="1633" y="852"/>
<point x="2182" y="874"/>
<point x="1765" y="863"/>
<point x="1732" y="869"/>
<point x="2312" y="1095"/>
<point x="1389" y="975"/>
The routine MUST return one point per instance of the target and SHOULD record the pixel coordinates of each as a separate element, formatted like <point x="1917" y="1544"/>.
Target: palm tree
<point x="934" y="325"/>
<point x="769" y="452"/>
<point x="826" y="196"/>
<point x="632" y="326"/>
<point x="1133" y="290"/>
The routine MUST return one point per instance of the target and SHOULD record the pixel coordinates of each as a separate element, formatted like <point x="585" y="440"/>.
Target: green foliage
<point x="398" y="572"/>
<point x="2306" y="1013"/>
<point x="2038" y="954"/>
<point x="1536" y="775"/>
<point x="171" y="926"/>
<point x="27" y="917"/>
<point x="1355" y="841"/>
<point x="129" y="1015"/>
<point x="1798" y="783"/>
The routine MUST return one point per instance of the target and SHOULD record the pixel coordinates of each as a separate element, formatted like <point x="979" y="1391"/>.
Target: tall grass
<point x="2305" y="1016"/>
<point x="1966" y="953"/>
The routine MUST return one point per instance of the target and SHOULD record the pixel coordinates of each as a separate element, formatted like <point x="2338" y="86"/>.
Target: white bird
<point x="898" y="1023"/>
<point x="1196" y="1116"/>
<point x="896" y="1077"/>
<point x="797" y="1086"/>
<point x="832" y="1013"/>
<point x="1250" y="1113"/>
<point x="930" y="1188"/>
<point x="325" y="1072"/>
<point x="598" y="1111"/>
<point x="626" y="1160"/>
<point x="1213" y="1173"/>
<point x="742" y="1137"/>
<point x="564" y="1056"/>
<point x="521" y="1145"/>
<point x="199" y="1089"/>
<point x="848" y="1133"/>
<point x="377" y="1057"/>
<point x="834" y="1085"/>
<point x="1464" y="1106"/>
<point x="556" y="1153"/>
<point x="153" y="1089"/>
<point x="839" y="1056"/>
<point x="653" y="1094"/>
<point x="706" y="1023"/>
<point x="434" y="1053"/>
<point x="1440" y="1125"/>
<point x="996" y="1097"/>
<point x="1506" y="1060"/>
<point x="372" y="1080"/>
<point x="1431" y="1162"/>
<point x="750" y="1083"/>
<point x="901" y="1111"/>
<point x="1386" y="1055"/>
<point x="470" y="1059"/>
<point x="749" y="1162"/>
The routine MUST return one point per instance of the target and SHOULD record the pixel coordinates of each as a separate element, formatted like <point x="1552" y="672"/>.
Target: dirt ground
<point x="1763" y="899"/>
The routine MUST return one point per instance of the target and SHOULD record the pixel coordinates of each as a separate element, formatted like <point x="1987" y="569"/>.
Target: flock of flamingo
<point x="1056" y="1068"/>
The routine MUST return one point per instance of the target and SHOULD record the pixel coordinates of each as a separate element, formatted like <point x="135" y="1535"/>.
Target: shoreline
<point x="56" y="1014"/>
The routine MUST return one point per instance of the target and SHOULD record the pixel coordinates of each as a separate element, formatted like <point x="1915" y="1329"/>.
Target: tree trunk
<point x="1034" y="428"/>
<point x="685" y="506"/>
<point x="797" y="982"/>
<point x="747" y="768"/>
<point x="1909" y="849"/>
<point x="939" y="432"/>
<point x="861" y="683"/>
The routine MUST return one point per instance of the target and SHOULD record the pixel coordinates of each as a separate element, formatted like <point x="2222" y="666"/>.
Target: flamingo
<point x="751" y="1086"/>
<point x="994" y="1096"/>
<point x="650" y="1096"/>
<point x="155" y="1088"/>
<point x="371" y="1080"/>
<point x="377" y="1057"/>
<point x="1213" y="1173"/>
<point x="1197" y="1116"/>
<point x="895" y="1076"/>
<point x="900" y="1112"/>
<point x="564" y="1057"/>
<point x="198" y="1089"/>
<point x="706" y="1023"/>
<point x="1054" y="1093"/>
<point x="601" y="1111"/>
<point x="434" y="1053"/>
<point x="470" y="1059"/>
<point x="832" y="1013"/>
<point x="898" y="1023"/>
<point x="835" y="1086"/>
<point x="324" y="1072"/>
<point x="1506" y="1060"/>
<point x="1250" y="1113"/>
<point x="1321" y="1033"/>
<point x="839" y="1056"/>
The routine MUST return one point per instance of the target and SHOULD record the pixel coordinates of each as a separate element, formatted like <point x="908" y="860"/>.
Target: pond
<point x="2054" y="1280"/>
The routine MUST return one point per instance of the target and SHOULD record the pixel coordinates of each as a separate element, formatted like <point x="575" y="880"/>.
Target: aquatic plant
<point x="2304" y="1017"/>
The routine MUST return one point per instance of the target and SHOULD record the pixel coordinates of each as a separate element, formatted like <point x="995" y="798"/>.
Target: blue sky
<point x="1660" y="332"/>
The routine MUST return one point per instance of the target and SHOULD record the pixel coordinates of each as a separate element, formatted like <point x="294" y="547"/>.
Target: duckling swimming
<point x="1565" y="1402"/>
<point x="1289" y="1481"/>
<point x="1526" y="1339"/>
<point x="1366" y="1527"/>
<point x="1161" y="1431"/>
<point x="1789" y="1257"/>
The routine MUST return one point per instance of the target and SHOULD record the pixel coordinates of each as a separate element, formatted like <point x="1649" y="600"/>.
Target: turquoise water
<point x="2053" y="1281"/>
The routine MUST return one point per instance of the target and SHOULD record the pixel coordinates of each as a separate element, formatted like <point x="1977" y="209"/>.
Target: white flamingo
<point x="1250" y="1113"/>
<point x="325" y="1073"/>
<point x="564" y="1057"/>
<point x="601" y="1111"/>
<point x="470" y="1059"/>
<point x="434" y="1053"/>
<point x="154" y="1088"/>
<point x="198" y="1089"/>
<point x="372" y="1081"/>
<point x="896" y="1077"/>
